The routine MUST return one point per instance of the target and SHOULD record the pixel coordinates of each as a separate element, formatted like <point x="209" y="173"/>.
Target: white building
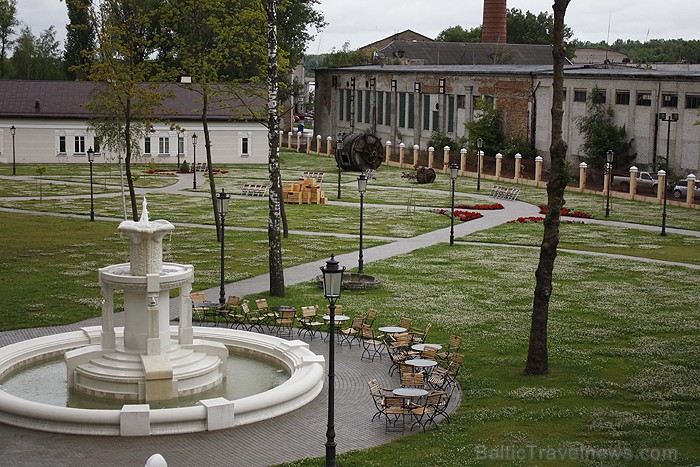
<point x="51" y="125"/>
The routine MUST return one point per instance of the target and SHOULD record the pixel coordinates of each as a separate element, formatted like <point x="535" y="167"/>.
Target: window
<point x="599" y="96"/>
<point x="180" y="144"/>
<point x="359" y="106"/>
<point x="441" y="85"/>
<point x="62" y="144"/>
<point x="79" y="144"/>
<point x="692" y="102"/>
<point x="341" y="104"/>
<point x="426" y="112"/>
<point x="622" y="97"/>
<point x="380" y="108"/>
<point x="436" y="120"/>
<point x="644" y="98"/>
<point x="402" y="109"/>
<point x="461" y="101"/>
<point x="669" y="100"/>
<point x="579" y="95"/>
<point x="163" y="145"/>
<point x="450" y="114"/>
<point x="368" y="107"/>
<point x="411" y="110"/>
<point x="388" y="109"/>
<point x="490" y="100"/>
<point x="97" y="144"/>
<point x="147" y="145"/>
<point x="348" y="105"/>
<point x="245" y="147"/>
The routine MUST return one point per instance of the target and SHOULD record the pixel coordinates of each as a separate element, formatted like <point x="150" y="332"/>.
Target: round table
<point x="421" y="347"/>
<point x="421" y="363"/>
<point x="392" y="329"/>
<point x="409" y="392"/>
<point x="338" y="318"/>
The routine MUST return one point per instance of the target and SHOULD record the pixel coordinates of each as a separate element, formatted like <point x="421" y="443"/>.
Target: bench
<point x="504" y="192"/>
<point x="318" y="176"/>
<point x="254" y="189"/>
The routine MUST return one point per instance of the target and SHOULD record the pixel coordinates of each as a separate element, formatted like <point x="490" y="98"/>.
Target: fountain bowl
<point x="305" y="383"/>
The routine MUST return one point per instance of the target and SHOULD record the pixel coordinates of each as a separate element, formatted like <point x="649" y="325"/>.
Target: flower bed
<point x="566" y="212"/>
<point x="535" y="219"/>
<point x="463" y="216"/>
<point x="482" y="207"/>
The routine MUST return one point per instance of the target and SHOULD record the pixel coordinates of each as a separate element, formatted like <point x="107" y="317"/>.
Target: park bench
<point x="254" y="189"/>
<point x="504" y="192"/>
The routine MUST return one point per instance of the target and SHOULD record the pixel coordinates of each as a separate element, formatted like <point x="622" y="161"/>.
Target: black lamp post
<point x="454" y="169"/>
<point x="222" y="200"/>
<point x="194" y="161"/>
<point x="666" y="118"/>
<point x="13" y="130"/>
<point x="332" y="283"/>
<point x="91" y="158"/>
<point x="479" y="153"/>
<point x="338" y="145"/>
<point x="608" y="167"/>
<point x="177" y="144"/>
<point x="361" y="187"/>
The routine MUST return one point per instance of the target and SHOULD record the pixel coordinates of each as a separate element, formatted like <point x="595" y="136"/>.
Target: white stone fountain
<point x="146" y="364"/>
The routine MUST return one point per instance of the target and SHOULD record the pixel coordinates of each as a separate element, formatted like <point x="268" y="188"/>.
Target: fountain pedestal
<point x="146" y="364"/>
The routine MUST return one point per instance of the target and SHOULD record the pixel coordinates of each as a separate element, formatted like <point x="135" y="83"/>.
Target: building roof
<point x="570" y="71"/>
<point x="465" y="53"/>
<point x="67" y="99"/>
<point x="407" y="35"/>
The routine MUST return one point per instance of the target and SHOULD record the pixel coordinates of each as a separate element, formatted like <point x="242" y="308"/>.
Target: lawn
<point x="624" y="335"/>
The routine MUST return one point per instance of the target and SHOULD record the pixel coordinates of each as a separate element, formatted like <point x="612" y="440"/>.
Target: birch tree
<point x="275" y="201"/>
<point x="537" y="356"/>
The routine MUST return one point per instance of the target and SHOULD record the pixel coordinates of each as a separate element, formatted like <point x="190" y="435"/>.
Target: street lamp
<point x="479" y="153"/>
<point x="666" y="118"/>
<point x="338" y="144"/>
<point x="194" y="161"/>
<point x="608" y="167"/>
<point x="13" y="130"/>
<point x="222" y="200"/>
<point x="454" y="169"/>
<point x="361" y="187"/>
<point x="177" y="144"/>
<point x="332" y="283"/>
<point x="91" y="158"/>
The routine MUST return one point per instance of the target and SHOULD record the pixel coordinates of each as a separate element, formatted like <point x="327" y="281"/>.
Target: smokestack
<point x="493" y="27"/>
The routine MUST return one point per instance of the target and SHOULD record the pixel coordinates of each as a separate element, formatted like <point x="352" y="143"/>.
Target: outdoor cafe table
<point x="409" y="392"/>
<point x="339" y="320"/>
<point x="392" y="329"/>
<point x="421" y="347"/>
<point x="422" y="364"/>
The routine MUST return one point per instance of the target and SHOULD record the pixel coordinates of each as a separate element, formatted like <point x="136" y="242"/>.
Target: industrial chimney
<point x="493" y="27"/>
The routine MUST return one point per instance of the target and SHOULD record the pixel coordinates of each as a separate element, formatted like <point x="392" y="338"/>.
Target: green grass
<point x="624" y="336"/>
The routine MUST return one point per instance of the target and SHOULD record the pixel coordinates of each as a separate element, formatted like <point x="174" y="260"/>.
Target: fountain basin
<point x="305" y="383"/>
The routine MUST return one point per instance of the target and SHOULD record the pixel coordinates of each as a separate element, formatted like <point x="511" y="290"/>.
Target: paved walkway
<point x="287" y="438"/>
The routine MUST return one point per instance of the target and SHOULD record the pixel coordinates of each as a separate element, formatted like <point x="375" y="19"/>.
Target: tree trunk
<point x="127" y="161"/>
<point x="275" y="199"/>
<point x="207" y="147"/>
<point x="537" y="356"/>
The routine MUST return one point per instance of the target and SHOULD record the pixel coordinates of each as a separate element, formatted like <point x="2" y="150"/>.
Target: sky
<point x="362" y="22"/>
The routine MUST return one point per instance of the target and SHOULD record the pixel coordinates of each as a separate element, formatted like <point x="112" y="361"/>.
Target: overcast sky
<point x="361" y="22"/>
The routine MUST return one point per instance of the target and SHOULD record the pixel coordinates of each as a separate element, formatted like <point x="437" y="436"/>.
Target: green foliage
<point x="651" y="51"/>
<point x="184" y="167"/>
<point x="601" y="134"/>
<point x="344" y="57"/>
<point x="439" y="140"/>
<point x="519" y="146"/>
<point x="80" y="38"/>
<point x="459" y="34"/>
<point x="487" y="126"/>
